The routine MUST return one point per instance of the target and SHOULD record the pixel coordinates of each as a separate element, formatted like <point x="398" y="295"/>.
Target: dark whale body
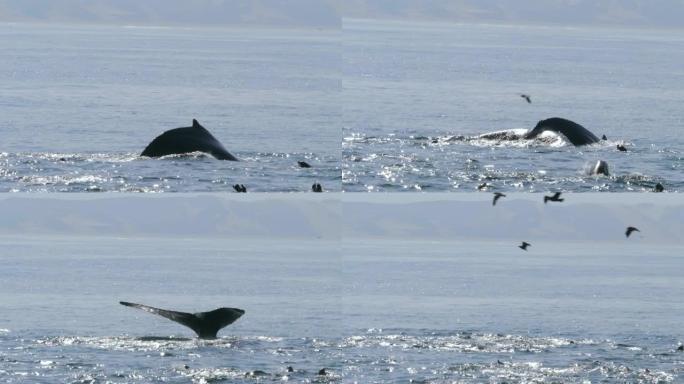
<point x="205" y="324"/>
<point x="186" y="140"/>
<point x="577" y="134"/>
<point x="600" y="167"/>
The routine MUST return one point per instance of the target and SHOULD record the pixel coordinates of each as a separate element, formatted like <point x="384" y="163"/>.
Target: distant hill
<point x="281" y="13"/>
<point x="627" y="13"/>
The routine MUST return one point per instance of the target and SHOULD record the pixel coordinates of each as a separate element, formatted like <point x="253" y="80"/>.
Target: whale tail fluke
<point x="205" y="324"/>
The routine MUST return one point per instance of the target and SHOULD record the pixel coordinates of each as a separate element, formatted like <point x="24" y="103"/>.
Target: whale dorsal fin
<point x="196" y="124"/>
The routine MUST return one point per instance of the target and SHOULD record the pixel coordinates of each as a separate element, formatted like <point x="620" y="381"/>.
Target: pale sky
<point x="297" y="13"/>
<point x="627" y="13"/>
<point x="328" y="13"/>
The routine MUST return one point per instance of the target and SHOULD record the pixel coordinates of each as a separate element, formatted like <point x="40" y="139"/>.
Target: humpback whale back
<point x="205" y="324"/>
<point x="577" y="134"/>
<point x="186" y="140"/>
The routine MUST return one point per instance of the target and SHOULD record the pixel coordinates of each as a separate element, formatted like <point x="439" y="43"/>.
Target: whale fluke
<point x="575" y="133"/>
<point x="205" y="324"/>
<point x="185" y="140"/>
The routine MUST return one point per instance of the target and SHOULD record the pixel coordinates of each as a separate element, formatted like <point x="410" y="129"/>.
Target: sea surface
<point x="79" y="104"/>
<point x="381" y="106"/>
<point x="376" y="311"/>
<point x="417" y="96"/>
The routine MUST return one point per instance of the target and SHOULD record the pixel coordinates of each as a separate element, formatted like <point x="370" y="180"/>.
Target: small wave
<point x="462" y="342"/>
<point x="145" y="343"/>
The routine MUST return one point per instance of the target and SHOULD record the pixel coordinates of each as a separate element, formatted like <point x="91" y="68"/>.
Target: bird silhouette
<point x="527" y="98"/>
<point x="497" y="196"/>
<point x="621" y="148"/>
<point x="630" y="230"/>
<point x="524" y="245"/>
<point x="555" y="197"/>
<point x="304" y="164"/>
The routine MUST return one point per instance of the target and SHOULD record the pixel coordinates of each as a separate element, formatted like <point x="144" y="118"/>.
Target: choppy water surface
<point x="430" y="312"/>
<point x="80" y="103"/>
<point x="416" y="97"/>
<point x="196" y="172"/>
<point x="384" y="356"/>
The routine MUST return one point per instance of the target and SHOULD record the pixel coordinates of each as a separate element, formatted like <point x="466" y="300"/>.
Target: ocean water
<point x="79" y="104"/>
<point x="417" y="96"/>
<point x="380" y="311"/>
<point x="380" y="106"/>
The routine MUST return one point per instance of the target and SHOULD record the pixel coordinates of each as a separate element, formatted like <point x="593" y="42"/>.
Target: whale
<point x="575" y="133"/>
<point x="185" y="140"/>
<point x="600" y="167"/>
<point x="205" y="324"/>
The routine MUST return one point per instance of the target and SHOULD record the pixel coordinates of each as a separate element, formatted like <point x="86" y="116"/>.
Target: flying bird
<point x="555" y="197"/>
<point x="630" y="230"/>
<point x="527" y="98"/>
<point x="497" y="196"/>
<point x="524" y="245"/>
